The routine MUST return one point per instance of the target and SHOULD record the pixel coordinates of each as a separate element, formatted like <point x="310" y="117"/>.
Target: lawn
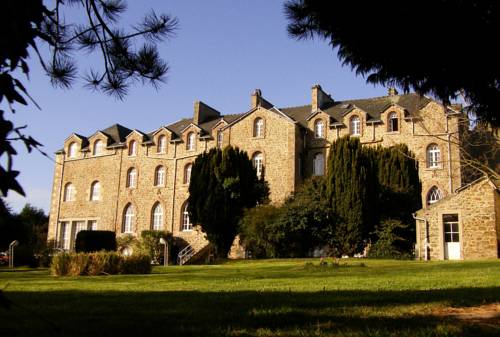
<point x="256" y="298"/>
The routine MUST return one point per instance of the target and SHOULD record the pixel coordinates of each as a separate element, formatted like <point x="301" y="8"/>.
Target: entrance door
<point x="451" y="237"/>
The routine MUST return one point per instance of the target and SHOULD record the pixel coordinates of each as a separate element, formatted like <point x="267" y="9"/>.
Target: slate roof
<point x="117" y="133"/>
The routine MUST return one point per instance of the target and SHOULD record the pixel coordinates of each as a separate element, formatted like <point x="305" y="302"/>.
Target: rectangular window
<point x="92" y="225"/>
<point x="65" y="235"/>
<point x="451" y="229"/>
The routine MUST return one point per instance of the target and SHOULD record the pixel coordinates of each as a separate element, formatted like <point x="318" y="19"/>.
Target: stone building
<point x="127" y="181"/>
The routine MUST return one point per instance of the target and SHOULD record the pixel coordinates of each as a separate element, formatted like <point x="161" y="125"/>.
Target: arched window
<point x="258" y="163"/>
<point x="187" y="173"/>
<point x="258" y="127"/>
<point x="128" y="219"/>
<point x="186" y="223"/>
<point x="433" y="156"/>
<point x="190" y="143"/>
<point x="355" y="126"/>
<point x="319" y="164"/>
<point x="392" y="122"/>
<point x="131" y="177"/>
<point x="69" y="192"/>
<point x="72" y="150"/>
<point x="319" y="129"/>
<point x="132" y="148"/>
<point x="98" y="147"/>
<point x="220" y="139"/>
<point x="162" y="144"/>
<point x="434" y="195"/>
<point x="95" y="191"/>
<point x="157" y="218"/>
<point x="160" y="176"/>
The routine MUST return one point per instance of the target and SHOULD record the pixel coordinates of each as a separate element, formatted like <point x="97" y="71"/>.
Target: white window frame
<point x="319" y="164"/>
<point x="162" y="144"/>
<point x="190" y="141"/>
<point x="72" y="148"/>
<point x="355" y="126"/>
<point x="433" y="154"/>
<point x="98" y="148"/>
<point x="128" y="219"/>
<point x="187" y="226"/>
<point x="220" y="139"/>
<point x="92" y="225"/>
<point x="187" y="173"/>
<point x="393" y="121"/>
<point x="69" y="192"/>
<point x="319" y="129"/>
<point x="132" y="178"/>
<point x="132" y="148"/>
<point x="258" y="127"/>
<point x="434" y="195"/>
<point x="258" y="163"/>
<point x="65" y="235"/>
<point x="160" y="173"/>
<point x="95" y="191"/>
<point x="157" y="219"/>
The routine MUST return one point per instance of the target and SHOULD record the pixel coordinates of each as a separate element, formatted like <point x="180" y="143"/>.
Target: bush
<point x="150" y="244"/>
<point x="127" y="242"/>
<point x="104" y="263"/>
<point x="390" y="244"/>
<point x="94" y="241"/>
<point x="136" y="264"/>
<point x="99" y="263"/>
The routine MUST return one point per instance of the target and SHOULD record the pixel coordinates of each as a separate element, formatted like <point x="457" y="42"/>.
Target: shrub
<point x="94" y="241"/>
<point x="77" y="264"/>
<point x="150" y="244"/>
<point x="390" y="243"/>
<point x="60" y="264"/>
<point x="127" y="241"/>
<point x="136" y="264"/>
<point x="106" y="263"/>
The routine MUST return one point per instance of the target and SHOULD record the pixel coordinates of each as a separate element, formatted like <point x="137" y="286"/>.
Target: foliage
<point x="223" y="183"/>
<point x="150" y="243"/>
<point x="351" y="192"/>
<point x="93" y="241"/>
<point x="435" y="72"/>
<point x="27" y="26"/>
<point x="125" y="241"/>
<point x="391" y="241"/>
<point x="99" y="263"/>
<point x="257" y="230"/>
<point x="136" y="264"/>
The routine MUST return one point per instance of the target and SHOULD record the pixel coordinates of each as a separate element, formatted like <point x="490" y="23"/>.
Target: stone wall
<point x="477" y="207"/>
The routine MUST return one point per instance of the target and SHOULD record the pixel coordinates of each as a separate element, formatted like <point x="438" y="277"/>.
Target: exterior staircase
<point x="198" y="247"/>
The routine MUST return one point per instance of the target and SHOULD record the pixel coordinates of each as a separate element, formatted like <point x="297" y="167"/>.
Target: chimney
<point x="319" y="98"/>
<point x="256" y="99"/>
<point x="203" y="113"/>
<point x="392" y="91"/>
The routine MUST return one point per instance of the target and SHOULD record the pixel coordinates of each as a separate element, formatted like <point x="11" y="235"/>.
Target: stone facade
<point x="476" y="210"/>
<point x="291" y="143"/>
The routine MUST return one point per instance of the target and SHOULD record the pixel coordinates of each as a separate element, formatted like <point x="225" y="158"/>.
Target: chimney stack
<point x="256" y="99"/>
<point x="392" y="91"/>
<point x="203" y="113"/>
<point x="319" y="98"/>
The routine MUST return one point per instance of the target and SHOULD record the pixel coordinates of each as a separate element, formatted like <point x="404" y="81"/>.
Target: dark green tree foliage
<point x="350" y="192"/>
<point x="223" y="184"/>
<point x="407" y="62"/>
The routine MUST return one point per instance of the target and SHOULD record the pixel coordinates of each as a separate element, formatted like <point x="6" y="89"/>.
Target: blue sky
<point x="223" y="50"/>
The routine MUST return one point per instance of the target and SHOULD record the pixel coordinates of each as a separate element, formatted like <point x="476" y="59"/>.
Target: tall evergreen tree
<point x="223" y="183"/>
<point x="349" y="191"/>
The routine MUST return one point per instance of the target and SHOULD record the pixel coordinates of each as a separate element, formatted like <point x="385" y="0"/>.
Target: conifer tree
<point x="223" y="184"/>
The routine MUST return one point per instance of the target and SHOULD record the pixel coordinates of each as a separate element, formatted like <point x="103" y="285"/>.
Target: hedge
<point x="94" y="241"/>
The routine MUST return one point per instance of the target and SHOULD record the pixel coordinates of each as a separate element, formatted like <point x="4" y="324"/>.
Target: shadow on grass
<point x="245" y="313"/>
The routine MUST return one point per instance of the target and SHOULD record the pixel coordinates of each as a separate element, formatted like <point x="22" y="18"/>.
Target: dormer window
<point x="393" y="122"/>
<point x="355" y="126"/>
<point x="319" y="129"/>
<point x="162" y="144"/>
<point x="190" y="142"/>
<point x="98" y="148"/>
<point x="72" y="148"/>
<point x="132" y="148"/>
<point x="258" y="127"/>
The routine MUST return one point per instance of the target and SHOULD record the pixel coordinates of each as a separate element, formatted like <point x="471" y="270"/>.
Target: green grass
<point x="254" y="298"/>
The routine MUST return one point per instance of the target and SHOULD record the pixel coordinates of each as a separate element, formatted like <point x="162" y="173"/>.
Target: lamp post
<point x="11" y="253"/>
<point x="165" y="251"/>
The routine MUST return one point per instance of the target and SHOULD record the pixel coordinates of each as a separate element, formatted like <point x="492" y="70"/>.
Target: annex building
<point x="127" y="181"/>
